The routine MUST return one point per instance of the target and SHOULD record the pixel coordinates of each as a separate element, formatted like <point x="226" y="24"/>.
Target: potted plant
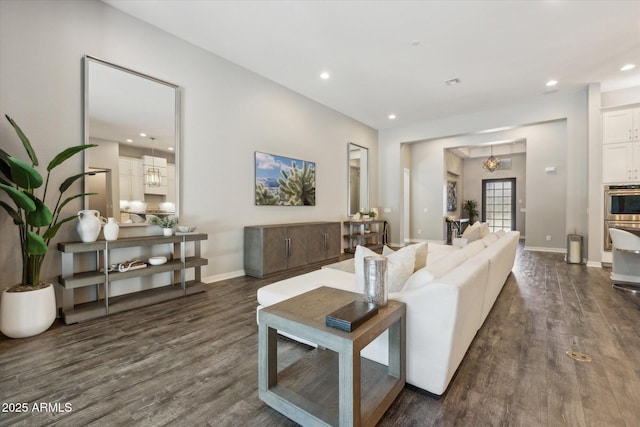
<point x="167" y="223"/>
<point x="368" y="214"/>
<point x="471" y="206"/>
<point x="29" y="307"/>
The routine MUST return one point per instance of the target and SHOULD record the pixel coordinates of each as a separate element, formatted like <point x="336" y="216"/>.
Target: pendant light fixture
<point x="492" y="163"/>
<point x="152" y="177"/>
<point x="152" y="174"/>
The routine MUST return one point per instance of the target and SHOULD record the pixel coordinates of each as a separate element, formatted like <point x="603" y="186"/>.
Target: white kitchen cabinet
<point x="131" y="183"/>
<point x="621" y="126"/>
<point x="620" y="162"/>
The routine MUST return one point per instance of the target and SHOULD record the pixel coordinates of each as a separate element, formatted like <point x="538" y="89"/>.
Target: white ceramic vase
<point x="111" y="229"/>
<point x="25" y="314"/>
<point x="89" y="225"/>
<point x="167" y="232"/>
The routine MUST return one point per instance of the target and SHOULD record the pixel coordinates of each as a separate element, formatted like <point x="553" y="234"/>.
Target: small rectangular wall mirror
<point x="358" y="185"/>
<point x="135" y="121"/>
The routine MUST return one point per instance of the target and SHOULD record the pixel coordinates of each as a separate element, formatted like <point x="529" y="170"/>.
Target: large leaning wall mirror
<point x="358" y="197"/>
<point x="134" y="120"/>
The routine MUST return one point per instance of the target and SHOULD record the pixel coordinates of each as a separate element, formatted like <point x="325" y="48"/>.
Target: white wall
<point x="569" y="154"/>
<point x="545" y="147"/>
<point x="228" y="113"/>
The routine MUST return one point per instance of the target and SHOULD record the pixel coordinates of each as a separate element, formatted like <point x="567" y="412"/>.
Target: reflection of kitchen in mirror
<point x="133" y="119"/>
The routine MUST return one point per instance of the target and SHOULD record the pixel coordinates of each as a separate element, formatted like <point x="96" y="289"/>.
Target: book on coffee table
<point x="351" y="316"/>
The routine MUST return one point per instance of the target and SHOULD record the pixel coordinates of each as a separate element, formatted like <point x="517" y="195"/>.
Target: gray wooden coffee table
<point x="333" y="385"/>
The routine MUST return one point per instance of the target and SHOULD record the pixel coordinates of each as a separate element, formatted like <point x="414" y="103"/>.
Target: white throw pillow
<point x="422" y="250"/>
<point x="489" y="239"/>
<point x="484" y="229"/>
<point x="472" y="232"/>
<point x="399" y="266"/>
<point x="501" y="233"/>
<point x="418" y="279"/>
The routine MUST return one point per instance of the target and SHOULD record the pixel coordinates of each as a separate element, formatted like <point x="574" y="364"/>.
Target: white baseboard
<point x="223" y="276"/>
<point x="541" y="249"/>
<point x="595" y="264"/>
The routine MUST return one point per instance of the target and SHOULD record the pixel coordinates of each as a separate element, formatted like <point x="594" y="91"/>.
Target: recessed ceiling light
<point x="628" y="67"/>
<point x="170" y="148"/>
<point x="142" y="134"/>
<point x="129" y="140"/>
<point x="392" y="116"/>
<point x="324" y="75"/>
<point x="452" y="82"/>
<point x="552" y="82"/>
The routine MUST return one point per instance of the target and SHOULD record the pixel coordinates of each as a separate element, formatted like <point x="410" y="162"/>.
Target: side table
<point x="333" y="385"/>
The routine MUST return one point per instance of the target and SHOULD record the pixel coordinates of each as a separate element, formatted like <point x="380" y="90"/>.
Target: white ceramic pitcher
<point x="89" y="225"/>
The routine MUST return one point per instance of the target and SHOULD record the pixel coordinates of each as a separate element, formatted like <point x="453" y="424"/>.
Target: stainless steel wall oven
<point x="621" y="210"/>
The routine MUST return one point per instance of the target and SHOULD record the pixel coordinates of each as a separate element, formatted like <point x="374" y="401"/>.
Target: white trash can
<point x="574" y="249"/>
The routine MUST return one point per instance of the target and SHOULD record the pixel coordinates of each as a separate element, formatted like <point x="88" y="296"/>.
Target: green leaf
<point x="36" y="244"/>
<point x="14" y="214"/>
<point x="25" y="141"/>
<point x="23" y="174"/>
<point x="51" y="232"/>
<point x="4" y="164"/>
<point x="66" y="154"/>
<point x="68" y="199"/>
<point x="41" y="217"/>
<point x="69" y="181"/>
<point x="22" y="200"/>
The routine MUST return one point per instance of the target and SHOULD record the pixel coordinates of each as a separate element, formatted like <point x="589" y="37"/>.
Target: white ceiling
<point x="502" y="51"/>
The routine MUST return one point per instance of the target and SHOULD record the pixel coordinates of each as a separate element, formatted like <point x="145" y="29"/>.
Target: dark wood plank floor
<point x="194" y="361"/>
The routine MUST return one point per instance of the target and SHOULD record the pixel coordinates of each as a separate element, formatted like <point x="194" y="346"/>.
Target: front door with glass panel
<point x="499" y="203"/>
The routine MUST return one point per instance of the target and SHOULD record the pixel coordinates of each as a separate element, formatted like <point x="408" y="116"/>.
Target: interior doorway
<point x="499" y="203"/>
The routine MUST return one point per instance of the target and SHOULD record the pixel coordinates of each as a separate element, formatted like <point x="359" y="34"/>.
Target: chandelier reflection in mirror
<point x="152" y="177"/>
<point x="492" y="163"/>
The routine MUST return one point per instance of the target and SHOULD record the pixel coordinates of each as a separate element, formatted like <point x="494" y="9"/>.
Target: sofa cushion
<point x="484" y="229"/>
<point x="400" y="266"/>
<point x="446" y="264"/>
<point x="418" y="279"/>
<point x="489" y="239"/>
<point x="472" y="248"/>
<point x="422" y="250"/>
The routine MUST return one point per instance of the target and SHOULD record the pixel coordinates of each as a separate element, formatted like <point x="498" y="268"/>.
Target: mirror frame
<point x="365" y="205"/>
<point x="86" y="61"/>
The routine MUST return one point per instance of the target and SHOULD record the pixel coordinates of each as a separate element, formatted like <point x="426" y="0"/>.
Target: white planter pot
<point x="111" y="230"/>
<point x="168" y="232"/>
<point x="25" y="314"/>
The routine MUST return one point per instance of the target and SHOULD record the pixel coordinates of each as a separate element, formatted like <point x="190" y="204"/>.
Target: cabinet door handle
<point x="287" y="247"/>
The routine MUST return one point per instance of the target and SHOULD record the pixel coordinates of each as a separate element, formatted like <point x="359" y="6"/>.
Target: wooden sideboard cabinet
<point x="272" y="248"/>
<point x="106" y="253"/>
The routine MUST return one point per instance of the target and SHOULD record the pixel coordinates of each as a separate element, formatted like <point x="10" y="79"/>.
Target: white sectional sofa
<point x="447" y="302"/>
